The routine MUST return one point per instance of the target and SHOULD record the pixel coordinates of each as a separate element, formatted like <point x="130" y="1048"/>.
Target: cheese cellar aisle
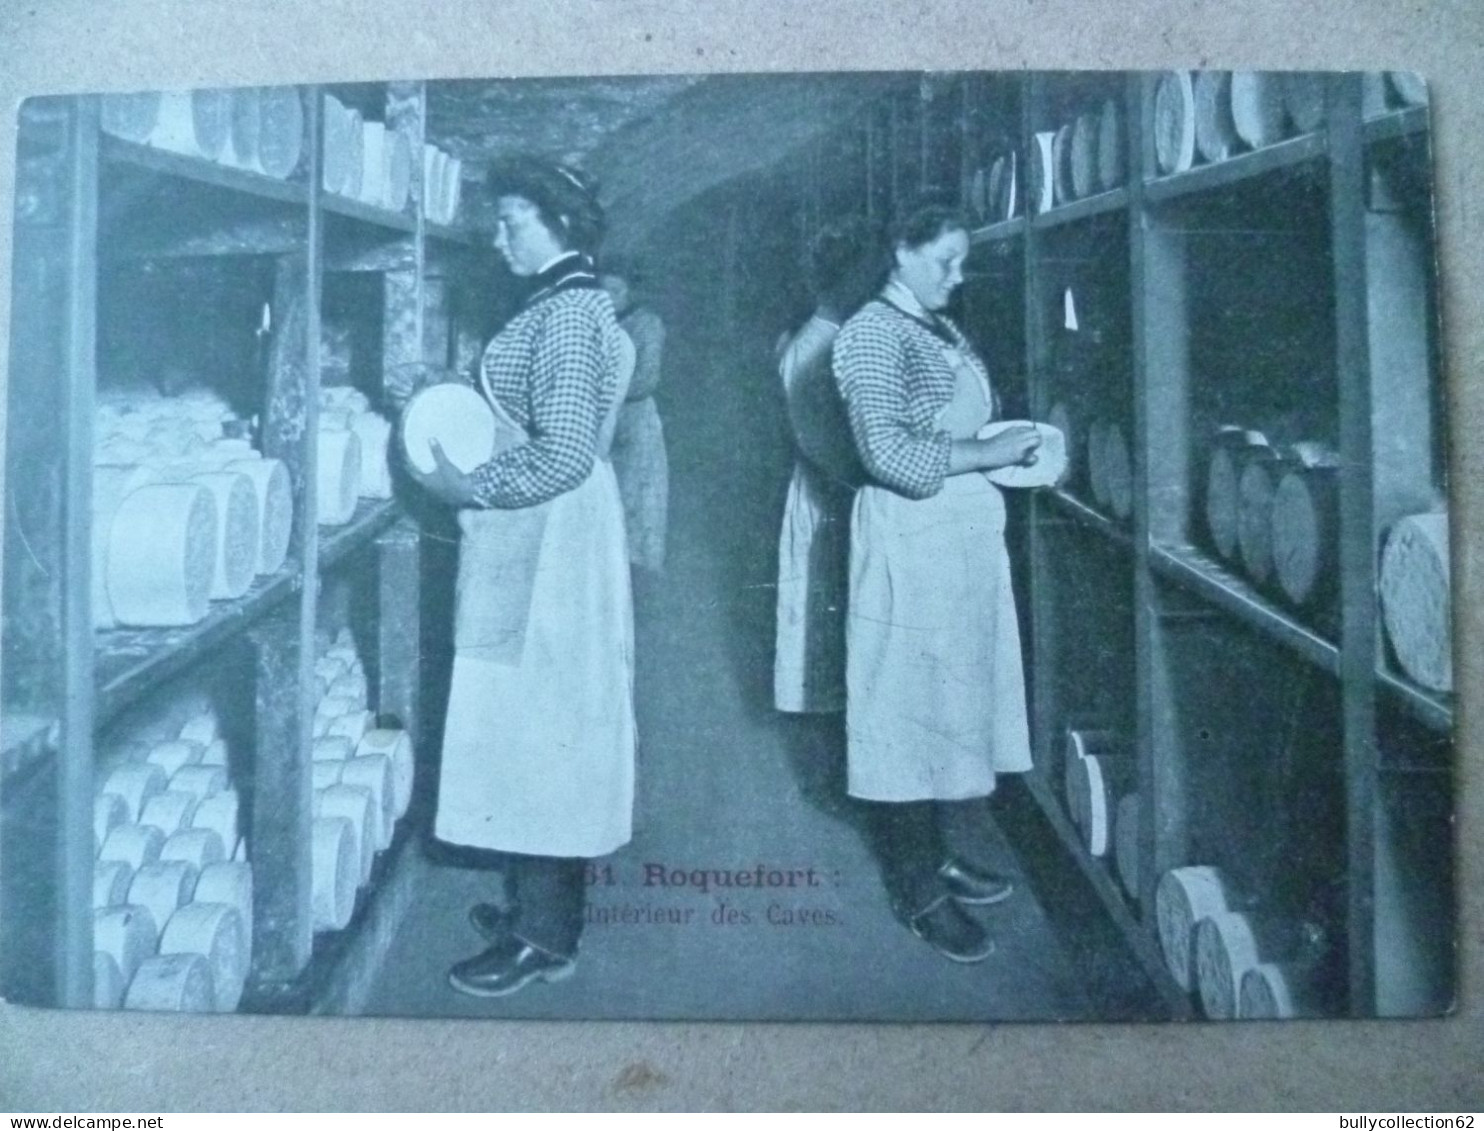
<point x="229" y="603"/>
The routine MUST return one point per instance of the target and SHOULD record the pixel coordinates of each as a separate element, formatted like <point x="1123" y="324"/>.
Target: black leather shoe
<point x="947" y="928"/>
<point x="493" y="922"/>
<point x="506" y="967"/>
<point x="974" y="886"/>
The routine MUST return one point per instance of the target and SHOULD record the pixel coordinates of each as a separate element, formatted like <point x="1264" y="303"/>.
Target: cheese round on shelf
<point x="1118" y="472"/>
<point x="127" y="934"/>
<point x="1215" y="133"/>
<point x="199" y="848"/>
<point x="1111" y="171"/>
<point x="374" y="773"/>
<point x="219" y="813"/>
<point x="356" y="805"/>
<point x="1225" y="949"/>
<point x="136" y="783"/>
<point x="339" y="476"/>
<point x="200" y="729"/>
<point x="111" y="880"/>
<point x="172" y="983"/>
<point x="1174" y="122"/>
<point x="109" y="812"/>
<point x="213" y="931"/>
<point x="1126" y="843"/>
<point x="108" y="982"/>
<point x="215" y="753"/>
<point x="335" y="873"/>
<point x="230" y="883"/>
<point x="280" y="131"/>
<point x="335" y="748"/>
<point x="246" y="129"/>
<point x="1415" y="601"/>
<point x="135" y="845"/>
<point x="113" y="482"/>
<point x="237" y="532"/>
<point x="170" y="811"/>
<point x="130" y="116"/>
<point x="352" y="725"/>
<point x="193" y="122"/>
<point x="1274" y="991"/>
<point x="398" y="748"/>
<point x="352" y="687"/>
<point x="162" y="888"/>
<point x="200" y="781"/>
<point x="1183" y="897"/>
<point x="322" y="774"/>
<point x="175" y="755"/>
<point x="162" y="550"/>
<point x="1257" y="107"/>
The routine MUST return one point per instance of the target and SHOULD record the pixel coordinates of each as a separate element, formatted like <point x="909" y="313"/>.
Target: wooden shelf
<point x="1087" y="515"/>
<point x="1411" y="122"/>
<point x="1243" y="167"/>
<point x="998" y="232"/>
<point x="1433" y="709"/>
<point x="445" y="233"/>
<point x="1140" y="940"/>
<point x="372" y="517"/>
<point x="1198" y="574"/>
<point x="1099" y="204"/>
<point x="368" y="213"/>
<point x="113" y="150"/>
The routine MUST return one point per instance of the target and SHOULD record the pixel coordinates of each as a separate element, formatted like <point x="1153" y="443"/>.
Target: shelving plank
<point x="372" y="517"/>
<point x="199" y="169"/>
<point x="1399" y="123"/>
<point x="1193" y="570"/>
<point x="1431" y="708"/>
<point x="1088" y="516"/>
<point x="131" y="662"/>
<point x="1140" y="940"/>
<point x="368" y="213"/>
<point x="998" y="232"/>
<point x="1204" y="178"/>
<point x="447" y="233"/>
<point x="1097" y="205"/>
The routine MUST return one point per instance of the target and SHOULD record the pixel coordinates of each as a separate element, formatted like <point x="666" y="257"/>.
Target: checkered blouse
<point x="895" y="379"/>
<point x="554" y="370"/>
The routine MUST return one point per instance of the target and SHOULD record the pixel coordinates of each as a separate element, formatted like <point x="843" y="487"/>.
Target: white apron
<point x="935" y="683"/>
<point x="538" y="748"/>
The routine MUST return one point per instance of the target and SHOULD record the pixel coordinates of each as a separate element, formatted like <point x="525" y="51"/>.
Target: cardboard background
<point x="60" y="1062"/>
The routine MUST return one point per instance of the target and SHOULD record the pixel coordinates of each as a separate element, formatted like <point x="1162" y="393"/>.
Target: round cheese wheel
<point x="230" y="883"/>
<point x="172" y="983"/>
<point x="1230" y="448"/>
<point x="375" y="433"/>
<point x="1097" y="461"/>
<point x="335" y="704"/>
<point x="335" y="871"/>
<point x="224" y="451"/>
<point x="215" y="753"/>
<point x="1415" y="602"/>
<point x="352" y="725"/>
<point x="1041" y="173"/>
<point x="356" y="805"/>
<point x="193" y="122"/>
<point x="1111" y="166"/>
<point x="163" y="887"/>
<point x="1183" y="897"/>
<point x="458" y="418"/>
<point x="1215" y="133"/>
<point x="1255" y="490"/>
<point x="236" y="532"/>
<point x="1118" y="472"/>
<point x="129" y="116"/>
<point x="246" y="128"/>
<point x="136" y="783"/>
<point x="113" y="482"/>
<point x="374" y="773"/>
<point x="109" y="812"/>
<point x="197" y="847"/>
<point x="219" y="813"/>
<point x="339" y="480"/>
<point x="1084" y="159"/>
<point x="1051" y="457"/>
<point x="174" y="755"/>
<point x="1225" y="949"/>
<point x="162" y="550"/>
<point x="275" y="498"/>
<point x="111" y="879"/>
<point x="108" y="982"/>
<point x="1257" y="107"/>
<point x="325" y="774"/>
<point x="1126" y="843"/>
<point x="1174" y="122"/>
<point x="213" y="931"/>
<point x="1306" y="516"/>
<point x="1276" y="991"/>
<point x="334" y="169"/>
<point x="200" y="728"/>
<point x="135" y="845"/>
<point x="335" y="748"/>
<point x="1061" y="164"/>
<point x="199" y="781"/>
<point x="1303" y="98"/>
<point x="355" y="169"/>
<point x="280" y="131"/>
<point x="126" y="934"/>
<point x="170" y="811"/>
<point x="397" y="746"/>
<point x="352" y="687"/>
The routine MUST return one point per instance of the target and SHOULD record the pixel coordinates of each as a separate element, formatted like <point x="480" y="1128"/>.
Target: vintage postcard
<point x="883" y="546"/>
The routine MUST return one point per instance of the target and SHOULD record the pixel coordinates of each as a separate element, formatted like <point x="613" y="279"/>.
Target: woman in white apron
<point x="935" y="687"/>
<point x="538" y="749"/>
<point x="813" y="546"/>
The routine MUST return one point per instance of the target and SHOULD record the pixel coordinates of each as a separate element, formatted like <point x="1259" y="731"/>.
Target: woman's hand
<point x="1013" y="447"/>
<point x="446" y="482"/>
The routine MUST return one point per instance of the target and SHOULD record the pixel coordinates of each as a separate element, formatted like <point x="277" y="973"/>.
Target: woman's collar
<point x="900" y="295"/>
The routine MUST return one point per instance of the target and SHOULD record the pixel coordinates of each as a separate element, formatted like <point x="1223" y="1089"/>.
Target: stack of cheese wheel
<point x="1306" y="526"/>
<point x="347" y="406"/>
<point x="1230" y="448"/>
<point x="1415" y="601"/>
<point x="267" y="134"/>
<point x="1258" y="483"/>
<point x="163" y="887"/>
<point x="1258" y="109"/>
<point x="355" y="805"/>
<point x="339" y="478"/>
<point x="1274" y="991"/>
<point x="1215" y="133"/>
<point x="1231" y="944"/>
<point x="442" y="179"/>
<point x="1183" y="897"/>
<point x="1112" y="169"/>
<point x="1126" y="843"/>
<point x="1095" y="771"/>
<point x="230" y="883"/>
<point x="214" y="932"/>
<point x="130" y="116"/>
